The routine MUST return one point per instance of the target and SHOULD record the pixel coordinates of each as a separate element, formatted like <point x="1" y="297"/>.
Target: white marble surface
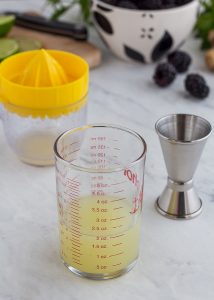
<point x="176" y="259"/>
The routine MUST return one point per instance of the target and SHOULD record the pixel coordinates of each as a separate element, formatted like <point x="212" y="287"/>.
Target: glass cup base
<point x="101" y="276"/>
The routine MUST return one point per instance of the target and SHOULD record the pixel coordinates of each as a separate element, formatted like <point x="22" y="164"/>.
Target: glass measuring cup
<point x="100" y="173"/>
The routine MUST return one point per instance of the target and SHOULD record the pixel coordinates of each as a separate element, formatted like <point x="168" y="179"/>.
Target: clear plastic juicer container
<point x="43" y="93"/>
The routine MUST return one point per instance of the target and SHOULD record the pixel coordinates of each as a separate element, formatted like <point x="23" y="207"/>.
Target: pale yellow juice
<point x="99" y="234"/>
<point x="36" y="149"/>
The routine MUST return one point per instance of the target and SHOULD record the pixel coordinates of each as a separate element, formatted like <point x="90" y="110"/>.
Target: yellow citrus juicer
<point x="43" y="93"/>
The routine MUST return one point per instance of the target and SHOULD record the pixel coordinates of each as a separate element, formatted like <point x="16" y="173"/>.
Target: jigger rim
<point x="182" y="142"/>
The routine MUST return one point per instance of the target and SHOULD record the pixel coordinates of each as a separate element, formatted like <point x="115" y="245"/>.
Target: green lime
<point x="8" y="47"/>
<point x="27" y="44"/>
<point x="6" y="23"/>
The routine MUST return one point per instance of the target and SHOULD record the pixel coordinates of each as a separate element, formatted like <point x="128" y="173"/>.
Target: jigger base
<point x="179" y="201"/>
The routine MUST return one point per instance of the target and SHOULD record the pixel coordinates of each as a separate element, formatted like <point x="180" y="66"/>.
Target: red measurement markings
<point x="119" y="218"/>
<point x="115" y="245"/>
<point x="65" y="147"/>
<point x="74" y="200"/>
<point x="76" y="223"/>
<point x="116" y="254"/>
<point x="70" y="198"/>
<point x="76" y="249"/>
<point x="71" y="152"/>
<point x="116" y="192"/>
<point x="73" y="189"/>
<point x="71" y="194"/>
<point x="102" y="256"/>
<point x="117" y="236"/>
<point x="118" y="207"/>
<point x="75" y="207"/>
<point x="75" y="256"/>
<point x="77" y="262"/>
<point x="76" y="241"/>
<point x="102" y="238"/>
<point x="75" y="212"/>
<point x="117" y="265"/>
<point x="119" y="199"/>
<point x="99" y="246"/>
<point x="75" y="217"/>
<point x="76" y="235"/>
<point x="102" y="201"/>
<point x="116" y="183"/>
<point x="76" y="228"/>
<point x="102" y="267"/>
<point x="73" y="181"/>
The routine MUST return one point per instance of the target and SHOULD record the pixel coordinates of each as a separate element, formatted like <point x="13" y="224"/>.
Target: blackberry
<point x="180" y="60"/>
<point x="127" y="4"/>
<point x="147" y="4"/>
<point x="196" y="85"/>
<point x="150" y="4"/>
<point x="182" y="2"/>
<point x="111" y="2"/>
<point x="168" y="3"/>
<point x="164" y="75"/>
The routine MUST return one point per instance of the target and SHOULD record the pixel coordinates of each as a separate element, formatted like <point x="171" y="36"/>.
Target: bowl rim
<point x="151" y="11"/>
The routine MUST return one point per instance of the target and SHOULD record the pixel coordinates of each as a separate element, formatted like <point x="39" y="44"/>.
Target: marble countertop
<point x="176" y="258"/>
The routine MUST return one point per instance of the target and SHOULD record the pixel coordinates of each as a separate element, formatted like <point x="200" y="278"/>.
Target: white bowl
<point x="143" y="35"/>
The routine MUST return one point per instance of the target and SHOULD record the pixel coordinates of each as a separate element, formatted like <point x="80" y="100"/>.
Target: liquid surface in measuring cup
<point x="99" y="234"/>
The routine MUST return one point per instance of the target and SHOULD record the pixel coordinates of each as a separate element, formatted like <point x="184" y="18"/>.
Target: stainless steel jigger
<point x="182" y="139"/>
